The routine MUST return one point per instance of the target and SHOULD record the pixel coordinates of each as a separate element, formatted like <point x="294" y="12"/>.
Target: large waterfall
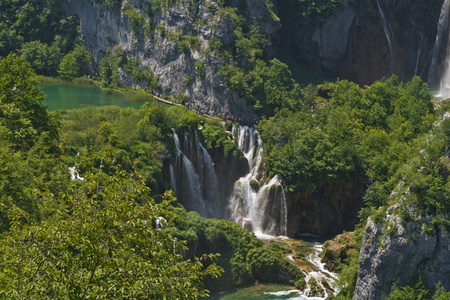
<point x="256" y="203"/>
<point x="195" y="185"/>
<point x="439" y="75"/>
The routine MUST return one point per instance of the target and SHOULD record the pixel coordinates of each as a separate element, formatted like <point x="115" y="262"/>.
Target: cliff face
<point x="330" y="209"/>
<point x="392" y="37"/>
<point x="156" y="37"/>
<point x="393" y="251"/>
<point x="365" y="40"/>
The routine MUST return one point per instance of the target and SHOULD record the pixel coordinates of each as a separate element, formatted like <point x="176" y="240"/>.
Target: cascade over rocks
<point x="386" y="258"/>
<point x="202" y="182"/>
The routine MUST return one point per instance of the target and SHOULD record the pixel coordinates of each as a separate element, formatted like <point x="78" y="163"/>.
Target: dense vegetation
<point x="312" y="135"/>
<point x="40" y="32"/>
<point x="100" y="236"/>
<point x="91" y="238"/>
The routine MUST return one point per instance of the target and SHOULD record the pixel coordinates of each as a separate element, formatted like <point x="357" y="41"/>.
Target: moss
<point x="254" y="184"/>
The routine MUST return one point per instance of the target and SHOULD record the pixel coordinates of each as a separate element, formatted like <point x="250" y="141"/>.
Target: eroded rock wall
<point x="329" y="209"/>
<point x="395" y="249"/>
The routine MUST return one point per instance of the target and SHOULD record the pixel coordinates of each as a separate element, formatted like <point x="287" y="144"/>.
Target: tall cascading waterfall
<point x="255" y="204"/>
<point x="195" y="187"/>
<point x="387" y="28"/>
<point x="439" y="74"/>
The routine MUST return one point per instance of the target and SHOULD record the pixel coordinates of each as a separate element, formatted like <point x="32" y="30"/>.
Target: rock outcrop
<point x="394" y="250"/>
<point x="173" y="43"/>
<point x="338" y="249"/>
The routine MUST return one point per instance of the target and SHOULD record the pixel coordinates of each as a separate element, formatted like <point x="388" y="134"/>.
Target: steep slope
<point x="359" y="40"/>
<point x="393" y="253"/>
<point x="412" y="236"/>
<point x="177" y="41"/>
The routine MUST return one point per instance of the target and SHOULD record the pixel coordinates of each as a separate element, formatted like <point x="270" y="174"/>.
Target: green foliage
<point x="117" y="58"/>
<point x="137" y="20"/>
<point x="300" y="284"/>
<point x="42" y="20"/>
<point x="200" y="68"/>
<point x="215" y="137"/>
<point x="43" y="59"/>
<point x="21" y="110"/>
<point x="102" y="244"/>
<point x="68" y="69"/>
<point x="188" y="81"/>
<point x="241" y="254"/>
<point x="416" y="288"/>
<point x="357" y="130"/>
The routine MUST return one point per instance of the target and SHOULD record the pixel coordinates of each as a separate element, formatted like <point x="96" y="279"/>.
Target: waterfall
<point x="389" y="36"/>
<point x="172" y="179"/>
<point x="257" y="205"/>
<point x="74" y="174"/>
<point x="195" y="180"/>
<point x="439" y="74"/>
<point x="419" y="53"/>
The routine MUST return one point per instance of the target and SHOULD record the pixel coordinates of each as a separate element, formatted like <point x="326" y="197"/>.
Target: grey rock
<point x="333" y="37"/>
<point x="104" y="28"/>
<point x="387" y="259"/>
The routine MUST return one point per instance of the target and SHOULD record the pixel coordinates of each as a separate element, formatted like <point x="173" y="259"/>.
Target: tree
<point x="21" y="109"/>
<point x="68" y="68"/>
<point x="102" y="243"/>
<point x="43" y="59"/>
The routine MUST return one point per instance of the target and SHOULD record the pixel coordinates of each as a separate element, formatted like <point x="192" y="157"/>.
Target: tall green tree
<point x="21" y="109"/>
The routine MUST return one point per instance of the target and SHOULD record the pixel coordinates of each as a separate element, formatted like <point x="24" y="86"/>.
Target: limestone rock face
<point x="388" y="37"/>
<point x="392" y="255"/>
<point x="157" y="45"/>
<point x="333" y="37"/>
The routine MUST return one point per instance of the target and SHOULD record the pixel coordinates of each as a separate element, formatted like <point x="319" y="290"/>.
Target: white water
<point x="74" y="174"/>
<point x="172" y="179"/>
<point x="261" y="210"/>
<point x="199" y="187"/>
<point x="322" y="272"/>
<point x="438" y="66"/>
<point x="387" y="28"/>
<point x="419" y="53"/>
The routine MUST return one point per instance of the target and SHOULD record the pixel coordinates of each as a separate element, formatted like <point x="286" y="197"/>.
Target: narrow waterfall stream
<point x="256" y="204"/>
<point x="387" y="28"/>
<point x="439" y="74"/>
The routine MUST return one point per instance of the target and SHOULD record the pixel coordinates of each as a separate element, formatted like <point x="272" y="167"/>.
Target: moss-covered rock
<point x="338" y="249"/>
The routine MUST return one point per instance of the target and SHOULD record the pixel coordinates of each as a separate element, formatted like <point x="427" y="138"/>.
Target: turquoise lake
<point x="70" y="97"/>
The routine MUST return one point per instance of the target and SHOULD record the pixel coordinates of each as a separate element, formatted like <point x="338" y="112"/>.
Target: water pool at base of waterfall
<point x="263" y="292"/>
<point x="309" y="262"/>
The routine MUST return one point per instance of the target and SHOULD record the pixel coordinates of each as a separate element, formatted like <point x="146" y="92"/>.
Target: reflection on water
<point x="70" y="97"/>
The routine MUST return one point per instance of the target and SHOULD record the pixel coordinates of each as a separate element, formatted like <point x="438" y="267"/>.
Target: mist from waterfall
<point x="439" y="75"/>
<point x="389" y="33"/>
<point x="256" y="205"/>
